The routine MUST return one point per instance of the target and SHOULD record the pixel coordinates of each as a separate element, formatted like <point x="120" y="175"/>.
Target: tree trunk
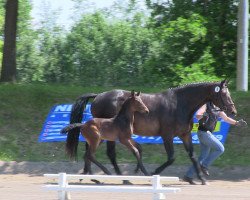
<point x="8" y="73"/>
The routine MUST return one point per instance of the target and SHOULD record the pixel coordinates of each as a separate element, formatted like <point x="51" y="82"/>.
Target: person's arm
<point x="201" y="111"/>
<point x="229" y="120"/>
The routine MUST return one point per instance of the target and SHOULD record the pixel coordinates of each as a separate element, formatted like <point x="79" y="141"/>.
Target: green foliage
<point x="27" y="60"/>
<point x="1" y="53"/>
<point x="182" y="41"/>
<point x="1" y="29"/>
<point x="2" y="13"/>
<point x="86" y="46"/>
<point x="180" y="53"/>
<point x="220" y="23"/>
<point x="106" y="53"/>
<point x="198" y="71"/>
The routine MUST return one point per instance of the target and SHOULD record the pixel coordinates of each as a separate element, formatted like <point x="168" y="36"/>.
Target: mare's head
<point x="136" y="103"/>
<point x="221" y="98"/>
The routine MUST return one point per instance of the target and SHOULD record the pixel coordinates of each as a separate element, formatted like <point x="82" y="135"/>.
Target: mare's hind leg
<point x="87" y="163"/>
<point x="169" y="147"/>
<point x="187" y="141"/>
<point x="129" y="143"/>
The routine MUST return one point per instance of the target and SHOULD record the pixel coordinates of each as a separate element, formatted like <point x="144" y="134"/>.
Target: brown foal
<point x="119" y="128"/>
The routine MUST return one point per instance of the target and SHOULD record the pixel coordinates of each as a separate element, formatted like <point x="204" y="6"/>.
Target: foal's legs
<point x="169" y="147"/>
<point x="138" y="146"/>
<point x="90" y="154"/>
<point x="112" y="156"/>
<point x="129" y="143"/>
<point x="187" y="141"/>
<point x="87" y="165"/>
<point x="92" y="136"/>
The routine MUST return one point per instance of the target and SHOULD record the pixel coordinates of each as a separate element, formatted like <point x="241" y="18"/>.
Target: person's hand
<point x="205" y="115"/>
<point x="241" y="123"/>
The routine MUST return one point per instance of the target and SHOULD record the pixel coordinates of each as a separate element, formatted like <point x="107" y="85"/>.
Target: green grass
<point x="23" y="109"/>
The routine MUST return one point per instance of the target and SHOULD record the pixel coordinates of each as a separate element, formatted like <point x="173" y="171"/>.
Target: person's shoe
<point x="204" y="183"/>
<point x="189" y="180"/>
<point x="204" y="170"/>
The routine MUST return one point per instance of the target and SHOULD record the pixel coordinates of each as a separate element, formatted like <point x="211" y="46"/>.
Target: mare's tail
<point x="76" y="117"/>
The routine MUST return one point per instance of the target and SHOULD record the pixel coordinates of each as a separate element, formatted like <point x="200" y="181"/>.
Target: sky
<point x="65" y="7"/>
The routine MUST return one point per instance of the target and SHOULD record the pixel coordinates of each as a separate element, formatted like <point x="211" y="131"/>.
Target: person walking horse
<point x="210" y="147"/>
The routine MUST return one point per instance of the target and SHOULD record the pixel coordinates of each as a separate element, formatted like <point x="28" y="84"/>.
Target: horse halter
<point x="224" y="104"/>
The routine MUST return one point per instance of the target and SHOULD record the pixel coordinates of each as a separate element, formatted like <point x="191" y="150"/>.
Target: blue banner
<point x="59" y="116"/>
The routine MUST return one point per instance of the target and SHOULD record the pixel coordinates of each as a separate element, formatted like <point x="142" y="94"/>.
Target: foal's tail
<point x="76" y="117"/>
<point x="66" y="129"/>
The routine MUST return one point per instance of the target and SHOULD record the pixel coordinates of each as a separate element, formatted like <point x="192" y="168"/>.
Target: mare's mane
<point x="197" y="84"/>
<point x="124" y="106"/>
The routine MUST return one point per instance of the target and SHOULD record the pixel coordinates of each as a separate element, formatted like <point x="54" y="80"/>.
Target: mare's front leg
<point x="129" y="143"/>
<point x="187" y="142"/>
<point x="169" y="147"/>
<point x="112" y="156"/>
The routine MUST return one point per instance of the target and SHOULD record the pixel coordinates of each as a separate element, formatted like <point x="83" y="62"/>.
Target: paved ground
<point x="25" y="181"/>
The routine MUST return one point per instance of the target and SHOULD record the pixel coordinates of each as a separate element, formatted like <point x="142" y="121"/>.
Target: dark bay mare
<point x="119" y="128"/>
<point x="170" y="114"/>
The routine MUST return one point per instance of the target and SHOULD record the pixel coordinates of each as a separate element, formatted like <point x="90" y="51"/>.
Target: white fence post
<point x="62" y="182"/>
<point x="157" y="185"/>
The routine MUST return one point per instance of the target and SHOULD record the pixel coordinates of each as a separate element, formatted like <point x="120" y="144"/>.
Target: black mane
<point x="194" y="84"/>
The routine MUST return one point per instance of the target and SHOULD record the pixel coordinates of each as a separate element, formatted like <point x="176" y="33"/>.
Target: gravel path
<point x="25" y="181"/>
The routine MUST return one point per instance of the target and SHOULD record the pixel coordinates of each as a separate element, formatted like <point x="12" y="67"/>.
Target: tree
<point x="8" y="73"/>
<point x="220" y="23"/>
<point x="180" y="54"/>
<point x="30" y="62"/>
<point x="1" y="30"/>
<point x="104" y="53"/>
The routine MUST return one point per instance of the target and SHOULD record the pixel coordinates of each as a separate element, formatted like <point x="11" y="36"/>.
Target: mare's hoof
<point x="127" y="182"/>
<point x="96" y="181"/>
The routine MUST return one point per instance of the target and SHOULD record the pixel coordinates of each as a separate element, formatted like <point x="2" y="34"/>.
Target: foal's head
<point x="222" y="98"/>
<point x="136" y="103"/>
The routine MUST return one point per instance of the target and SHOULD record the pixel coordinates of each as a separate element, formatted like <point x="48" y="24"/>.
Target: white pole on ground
<point x="242" y="46"/>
